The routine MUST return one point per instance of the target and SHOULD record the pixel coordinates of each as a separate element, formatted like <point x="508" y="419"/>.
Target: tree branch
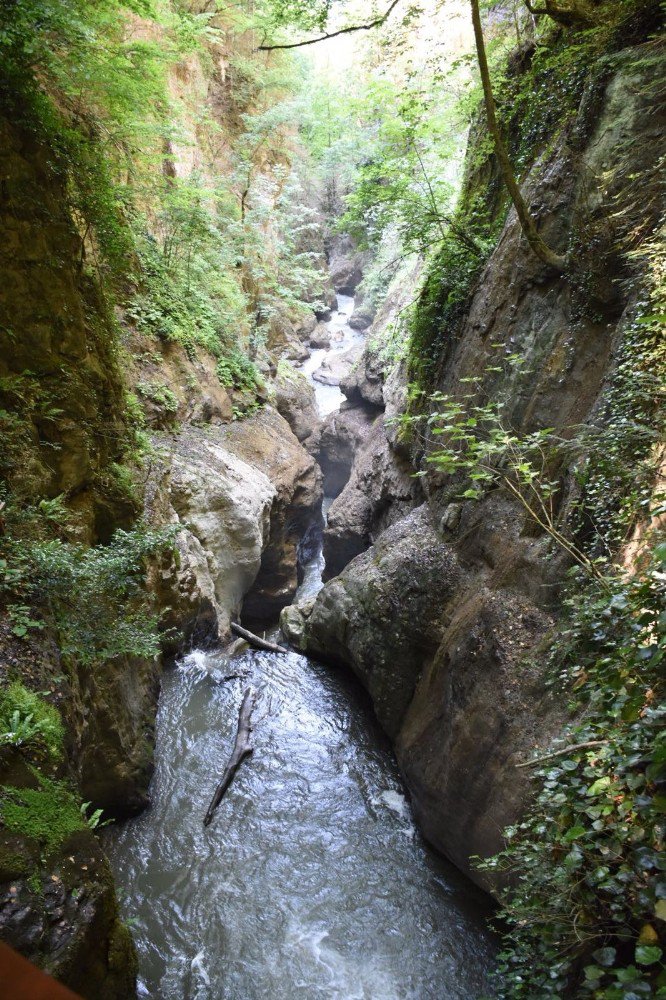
<point x="527" y="224"/>
<point x="333" y="34"/>
<point x="559" y="753"/>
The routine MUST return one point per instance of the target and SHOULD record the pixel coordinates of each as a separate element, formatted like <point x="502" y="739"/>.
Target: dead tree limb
<point x="378" y="21"/>
<point x="562" y="751"/>
<point x="255" y="640"/>
<point x="242" y="749"/>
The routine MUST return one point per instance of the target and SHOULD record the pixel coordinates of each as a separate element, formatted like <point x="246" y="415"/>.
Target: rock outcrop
<point x="244" y="495"/>
<point x="445" y="616"/>
<point x="346" y="265"/>
<point x="381" y="489"/>
<point x="295" y="401"/>
<point x="68" y="924"/>
<point x="341" y="435"/>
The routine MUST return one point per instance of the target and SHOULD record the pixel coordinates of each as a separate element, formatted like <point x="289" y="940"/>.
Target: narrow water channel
<point x="311" y="883"/>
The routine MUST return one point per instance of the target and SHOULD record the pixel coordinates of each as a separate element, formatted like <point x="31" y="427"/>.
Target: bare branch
<point x="559" y="753"/>
<point x="333" y="34"/>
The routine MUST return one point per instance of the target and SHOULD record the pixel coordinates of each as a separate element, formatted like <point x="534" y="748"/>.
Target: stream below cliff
<point x="311" y="882"/>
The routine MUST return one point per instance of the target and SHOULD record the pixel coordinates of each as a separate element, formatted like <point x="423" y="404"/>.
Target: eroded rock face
<point x="443" y="652"/>
<point x="380" y="490"/>
<point x="244" y="494"/>
<point x="266" y="442"/>
<point x="112" y="711"/>
<point x="384" y="615"/>
<point x="69" y="924"/>
<point x="341" y="435"/>
<point x="346" y="265"/>
<point x="295" y="401"/>
<point x="464" y="710"/>
<point x="479" y="709"/>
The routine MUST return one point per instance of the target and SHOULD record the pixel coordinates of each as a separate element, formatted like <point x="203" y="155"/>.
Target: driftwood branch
<point x="560" y="753"/>
<point x="378" y="21"/>
<point x="255" y="640"/>
<point x="242" y="749"/>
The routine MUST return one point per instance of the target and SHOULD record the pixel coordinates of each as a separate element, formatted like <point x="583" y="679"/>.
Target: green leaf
<point x="648" y="954"/>
<point x="604" y="956"/>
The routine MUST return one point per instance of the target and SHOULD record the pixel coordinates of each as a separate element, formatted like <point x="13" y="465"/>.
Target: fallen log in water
<point x="242" y="749"/>
<point x="255" y="640"/>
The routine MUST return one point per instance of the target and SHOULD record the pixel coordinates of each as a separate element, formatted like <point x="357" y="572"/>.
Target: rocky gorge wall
<point x="445" y="613"/>
<point x="77" y="380"/>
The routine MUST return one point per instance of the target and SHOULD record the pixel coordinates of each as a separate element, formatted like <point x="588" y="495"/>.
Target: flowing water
<point x="343" y="338"/>
<point x="311" y="883"/>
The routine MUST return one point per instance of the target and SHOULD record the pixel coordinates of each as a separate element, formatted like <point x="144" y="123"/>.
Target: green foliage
<point x="94" y="821"/>
<point x="48" y="814"/>
<point x="586" y="913"/>
<point x="304" y="14"/>
<point x="446" y="292"/>
<point x="404" y="177"/>
<point x="617" y="479"/>
<point x="236" y="371"/>
<point x="26" y="720"/>
<point x="190" y="290"/>
<point x="94" y="597"/>
<point x="159" y="394"/>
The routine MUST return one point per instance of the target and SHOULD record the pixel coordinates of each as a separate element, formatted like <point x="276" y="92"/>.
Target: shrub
<point x="26" y="720"/>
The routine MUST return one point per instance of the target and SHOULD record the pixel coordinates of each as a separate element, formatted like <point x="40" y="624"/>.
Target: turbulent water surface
<point x="311" y="882"/>
<point x="343" y="338"/>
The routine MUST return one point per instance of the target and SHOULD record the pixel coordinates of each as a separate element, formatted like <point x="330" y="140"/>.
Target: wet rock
<point x="112" y="710"/>
<point x="342" y="434"/>
<point x="444" y="658"/>
<point x="293" y="622"/>
<point x="337" y="367"/>
<point x="320" y="336"/>
<point x="361" y="318"/>
<point x="381" y="489"/>
<point x="65" y="920"/>
<point x="363" y="383"/>
<point x="386" y="612"/>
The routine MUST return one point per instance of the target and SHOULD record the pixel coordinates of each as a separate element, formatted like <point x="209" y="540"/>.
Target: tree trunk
<point x="540" y="248"/>
<point x="255" y="640"/>
<point x="242" y="749"/>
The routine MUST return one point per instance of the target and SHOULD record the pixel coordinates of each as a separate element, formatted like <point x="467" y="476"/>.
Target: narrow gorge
<point x="343" y="323"/>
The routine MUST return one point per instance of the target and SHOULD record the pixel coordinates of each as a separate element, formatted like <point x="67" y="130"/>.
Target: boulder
<point x="362" y="384"/>
<point x="336" y="367"/>
<point x="320" y="336"/>
<point x="362" y="317"/>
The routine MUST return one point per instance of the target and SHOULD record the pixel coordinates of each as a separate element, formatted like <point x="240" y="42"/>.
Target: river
<point x="311" y="883"/>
